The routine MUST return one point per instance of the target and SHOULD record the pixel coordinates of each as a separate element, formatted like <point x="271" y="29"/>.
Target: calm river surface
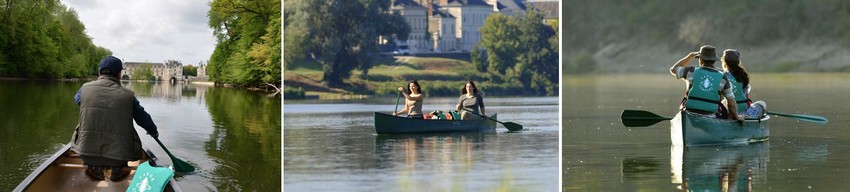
<point x="332" y="146"/>
<point x="231" y="136"/>
<point x="600" y="154"/>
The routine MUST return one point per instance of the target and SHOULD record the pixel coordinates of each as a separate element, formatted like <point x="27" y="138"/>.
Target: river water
<point x="600" y="154"/>
<point x="332" y="146"/>
<point x="231" y="136"/>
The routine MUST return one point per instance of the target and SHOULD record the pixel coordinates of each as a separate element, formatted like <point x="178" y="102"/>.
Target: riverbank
<point x="437" y="76"/>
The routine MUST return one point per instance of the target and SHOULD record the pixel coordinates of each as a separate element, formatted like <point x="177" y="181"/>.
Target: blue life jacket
<point x="740" y="96"/>
<point x="704" y="95"/>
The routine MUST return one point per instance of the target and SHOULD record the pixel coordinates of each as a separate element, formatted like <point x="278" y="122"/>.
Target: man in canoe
<point x="105" y="137"/>
<point x="707" y="85"/>
<point x="740" y="80"/>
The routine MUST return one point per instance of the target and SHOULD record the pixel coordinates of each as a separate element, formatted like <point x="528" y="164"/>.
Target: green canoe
<point x="691" y="129"/>
<point x="389" y="124"/>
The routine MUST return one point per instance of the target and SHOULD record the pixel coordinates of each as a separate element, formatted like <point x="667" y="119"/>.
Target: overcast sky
<point x="149" y="30"/>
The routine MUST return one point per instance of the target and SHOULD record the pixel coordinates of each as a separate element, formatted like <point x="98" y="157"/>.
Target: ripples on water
<point x="600" y="154"/>
<point x="332" y="146"/>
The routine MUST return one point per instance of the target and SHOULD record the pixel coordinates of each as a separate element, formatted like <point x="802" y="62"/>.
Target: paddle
<point x="179" y="165"/>
<point x="809" y="118"/>
<point x="510" y="125"/>
<point x="638" y="118"/>
<point x="397" y="97"/>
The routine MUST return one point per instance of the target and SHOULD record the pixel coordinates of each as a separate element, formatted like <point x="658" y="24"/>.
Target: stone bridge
<point x="171" y="70"/>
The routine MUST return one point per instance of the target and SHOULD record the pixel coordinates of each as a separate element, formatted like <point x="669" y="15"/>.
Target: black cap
<point x="113" y="64"/>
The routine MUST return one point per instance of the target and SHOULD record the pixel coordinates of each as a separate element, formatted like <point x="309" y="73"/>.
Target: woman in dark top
<point x="470" y="100"/>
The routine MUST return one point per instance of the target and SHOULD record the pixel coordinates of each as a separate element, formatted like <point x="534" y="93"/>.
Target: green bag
<point x="149" y="178"/>
<point x="439" y="114"/>
<point x="455" y="115"/>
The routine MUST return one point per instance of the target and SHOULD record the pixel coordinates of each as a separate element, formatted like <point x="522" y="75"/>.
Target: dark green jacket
<point x="106" y="127"/>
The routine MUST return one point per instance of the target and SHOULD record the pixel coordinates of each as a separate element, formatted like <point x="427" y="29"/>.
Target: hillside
<point x="608" y="36"/>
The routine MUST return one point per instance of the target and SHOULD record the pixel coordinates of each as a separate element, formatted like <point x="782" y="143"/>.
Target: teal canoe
<point x="389" y="124"/>
<point x="692" y="129"/>
<point x="64" y="171"/>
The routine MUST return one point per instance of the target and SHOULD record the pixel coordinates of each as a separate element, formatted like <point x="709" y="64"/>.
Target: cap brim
<point x="715" y="58"/>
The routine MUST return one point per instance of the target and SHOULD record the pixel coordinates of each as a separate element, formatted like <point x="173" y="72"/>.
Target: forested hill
<point x="648" y="36"/>
<point x="45" y="39"/>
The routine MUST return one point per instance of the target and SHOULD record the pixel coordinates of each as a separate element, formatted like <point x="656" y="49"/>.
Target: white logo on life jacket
<point x="706" y="84"/>
<point x="144" y="185"/>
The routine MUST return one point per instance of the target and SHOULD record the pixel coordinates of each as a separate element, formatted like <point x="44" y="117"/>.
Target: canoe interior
<point x="64" y="171"/>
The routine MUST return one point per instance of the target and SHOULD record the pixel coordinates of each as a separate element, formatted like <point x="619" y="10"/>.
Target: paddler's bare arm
<point x="683" y="62"/>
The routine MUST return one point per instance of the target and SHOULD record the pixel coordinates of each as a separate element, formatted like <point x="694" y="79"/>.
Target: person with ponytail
<point x="740" y="80"/>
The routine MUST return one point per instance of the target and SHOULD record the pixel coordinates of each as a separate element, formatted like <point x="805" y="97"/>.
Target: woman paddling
<point x="412" y="100"/>
<point x="740" y="79"/>
<point x="470" y="100"/>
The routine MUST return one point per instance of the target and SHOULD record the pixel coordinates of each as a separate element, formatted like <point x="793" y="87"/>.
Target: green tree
<point x="45" y="39"/>
<point x="521" y="49"/>
<point x="341" y="35"/>
<point x="247" y="52"/>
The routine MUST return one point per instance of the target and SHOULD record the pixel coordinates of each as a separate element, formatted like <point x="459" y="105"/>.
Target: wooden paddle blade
<point x="809" y="118"/>
<point x="638" y="118"/>
<point x="512" y="126"/>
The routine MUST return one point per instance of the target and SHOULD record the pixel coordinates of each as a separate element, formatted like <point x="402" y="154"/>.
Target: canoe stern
<point x="691" y="129"/>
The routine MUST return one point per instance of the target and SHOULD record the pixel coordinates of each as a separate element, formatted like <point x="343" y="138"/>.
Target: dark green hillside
<point x="648" y="36"/>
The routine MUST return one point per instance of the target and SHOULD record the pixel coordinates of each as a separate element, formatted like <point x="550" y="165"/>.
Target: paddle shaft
<point x="809" y="118"/>
<point x="510" y="125"/>
<point x="397" y="97"/>
<point x="640" y="118"/>
<point x="179" y="165"/>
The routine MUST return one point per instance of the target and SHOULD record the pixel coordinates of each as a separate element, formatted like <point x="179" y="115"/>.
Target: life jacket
<point x="703" y="94"/>
<point x="741" y="99"/>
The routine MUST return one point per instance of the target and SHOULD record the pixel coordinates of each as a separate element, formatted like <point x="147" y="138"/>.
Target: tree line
<point x="344" y="36"/>
<point x="519" y="49"/>
<point x="683" y="25"/>
<point x="45" y="39"/>
<point x="248" y="36"/>
<point x="340" y="35"/>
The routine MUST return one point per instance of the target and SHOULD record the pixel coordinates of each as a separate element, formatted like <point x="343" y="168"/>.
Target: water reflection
<point x="444" y="149"/>
<point x="36" y="119"/>
<point x="245" y="141"/>
<point x="447" y="154"/>
<point x="170" y="92"/>
<point x="719" y="168"/>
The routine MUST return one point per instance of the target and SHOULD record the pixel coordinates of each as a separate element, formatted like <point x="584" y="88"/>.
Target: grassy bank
<point x="437" y="76"/>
